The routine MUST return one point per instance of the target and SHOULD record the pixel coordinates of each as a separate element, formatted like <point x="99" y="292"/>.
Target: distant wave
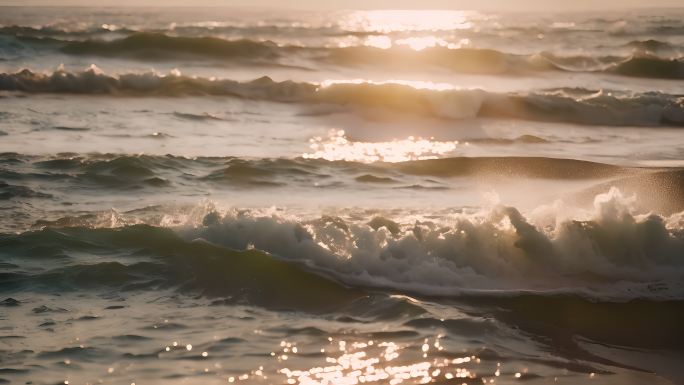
<point x="642" y="65"/>
<point x="650" y="67"/>
<point x="159" y="46"/>
<point x="187" y="30"/>
<point x="303" y="30"/>
<point x="609" y="254"/>
<point x="48" y="31"/>
<point x="558" y="105"/>
<point x="93" y="81"/>
<point x="651" y="45"/>
<point x="466" y="60"/>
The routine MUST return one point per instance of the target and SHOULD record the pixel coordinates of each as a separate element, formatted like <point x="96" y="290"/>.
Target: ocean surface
<point x="212" y="196"/>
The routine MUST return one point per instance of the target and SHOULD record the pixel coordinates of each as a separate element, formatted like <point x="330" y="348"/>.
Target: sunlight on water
<point x="382" y="42"/>
<point x="417" y="84"/>
<point x="342" y="361"/>
<point x="420" y="43"/>
<point x="386" y="21"/>
<point x="382" y="362"/>
<point x="416" y="43"/>
<point x="338" y="147"/>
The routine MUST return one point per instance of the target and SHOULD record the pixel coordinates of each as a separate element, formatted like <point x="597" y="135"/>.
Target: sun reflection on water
<point x="417" y="84"/>
<point x="381" y="362"/>
<point x="337" y="147"/>
<point x="387" y="21"/>
<point x="416" y="43"/>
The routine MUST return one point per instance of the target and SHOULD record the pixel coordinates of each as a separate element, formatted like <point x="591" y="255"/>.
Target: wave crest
<point x="609" y="253"/>
<point x="145" y="45"/>
<point x="558" y="105"/>
<point x="156" y="45"/>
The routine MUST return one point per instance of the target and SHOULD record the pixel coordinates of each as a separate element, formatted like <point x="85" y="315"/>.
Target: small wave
<point x="198" y="117"/>
<point x="125" y="173"/>
<point x="464" y="60"/>
<point x="56" y="32"/>
<point x="650" y="67"/>
<point x="650" y="45"/>
<point x="368" y="178"/>
<point x="530" y="167"/>
<point x="161" y="46"/>
<point x="578" y="106"/>
<point x="102" y="171"/>
<point x="641" y="65"/>
<point x="523" y="139"/>
<point x="183" y="30"/>
<point x="94" y="81"/>
<point x="69" y="128"/>
<point x="8" y="191"/>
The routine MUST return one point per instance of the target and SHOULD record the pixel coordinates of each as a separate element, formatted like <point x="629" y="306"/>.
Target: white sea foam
<point x="608" y="252"/>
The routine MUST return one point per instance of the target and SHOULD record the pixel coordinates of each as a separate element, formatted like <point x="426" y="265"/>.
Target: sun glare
<point x="417" y="84"/>
<point x="338" y="147"/>
<point x="388" y="21"/>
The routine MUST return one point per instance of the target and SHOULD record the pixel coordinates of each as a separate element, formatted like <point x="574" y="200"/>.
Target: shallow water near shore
<point x="385" y="197"/>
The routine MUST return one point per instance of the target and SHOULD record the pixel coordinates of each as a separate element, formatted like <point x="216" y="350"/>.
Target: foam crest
<point x="608" y="253"/>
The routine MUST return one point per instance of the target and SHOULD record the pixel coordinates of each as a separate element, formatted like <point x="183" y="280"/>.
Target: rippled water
<point x="223" y="196"/>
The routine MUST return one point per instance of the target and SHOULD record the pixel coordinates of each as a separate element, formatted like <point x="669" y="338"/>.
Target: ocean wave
<point x="640" y="65"/>
<point x="94" y="81"/>
<point x="650" y="67"/>
<point x="51" y="31"/>
<point x="607" y="253"/>
<point x="161" y="46"/>
<point x="180" y="30"/>
<point x="249" y="277"/>
<point x="582" y="106"/>
<point x="463" y="60"/>
<point x="8" y="191"/>
<point x="651" y="45"/>
<point x="156" y="174"/>
<point x="668" y="186"/>
<point x="612" y="252"/>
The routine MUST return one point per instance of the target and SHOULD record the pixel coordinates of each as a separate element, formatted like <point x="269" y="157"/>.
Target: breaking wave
<point x="607" y="253"/>
<point x="581" y="106"/>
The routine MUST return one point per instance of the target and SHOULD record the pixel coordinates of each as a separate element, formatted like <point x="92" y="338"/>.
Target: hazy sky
<point x="365" y="4"/>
